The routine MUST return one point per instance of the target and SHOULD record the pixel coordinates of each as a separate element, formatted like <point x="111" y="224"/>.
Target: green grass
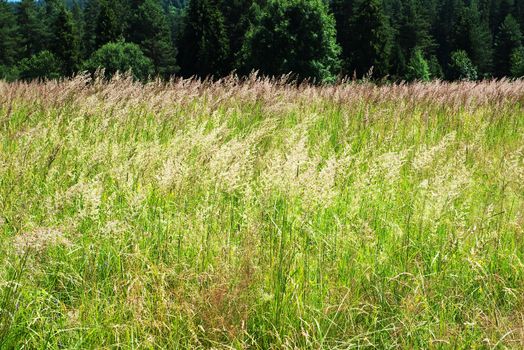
<point x="259" y="215"/>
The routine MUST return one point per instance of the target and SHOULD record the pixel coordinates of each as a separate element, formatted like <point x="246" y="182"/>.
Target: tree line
<point x="314" y="39"/>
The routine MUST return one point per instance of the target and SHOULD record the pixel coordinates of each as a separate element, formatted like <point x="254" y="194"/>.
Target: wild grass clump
<point x="256" y="214"/>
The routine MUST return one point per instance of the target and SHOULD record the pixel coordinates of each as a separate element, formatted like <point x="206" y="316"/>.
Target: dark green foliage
<point x="370" y="41"/>
<point x="237" y="20"/>
<point x="517" y="62"/>
<point x="120" y="57"/>
<point x="43" y="65"/>
<point x="414" y="28"/>
<point x="471" y="34"/>
<point x="509" y="38"/>
<point x="293" y="37"/>
<point x="8" y="73"/>
<point x="64" y="44"/>
<point x="149" y="28"/>
<point x="8" y="35"/>
<point x="204" y="42"/>
<point x="32" y="29"/>
<point x="444" y="29"/>
<point x="109" y="24"/>
<point x="435" y="69"/>
<point x="89" y="41"/>
<point x="216" y="37"/>
<point x="342" y="12"/>
<point x="461" y="67"/>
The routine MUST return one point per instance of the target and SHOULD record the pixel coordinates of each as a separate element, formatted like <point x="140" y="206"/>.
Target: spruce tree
<point x="445" y="29"/>
<point x="508" y="39"/>
<point x="109" y="24"/>
<point x="412" y="32"/>
<point x="91" y="13"/>
<point x="65" y="45"/>
<point x="480" y="39"/>
<point x="342" y="12"/>
<point x="8" y="35"/>
<point x="31" y="28"/>
<point x="236" y="20"/>
<point x="149" y="28"/>
<point x="204" y="42"/>
<point x="370" y="41"/>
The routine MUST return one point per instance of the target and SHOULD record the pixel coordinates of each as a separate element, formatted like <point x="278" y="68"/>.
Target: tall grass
<point x="257" y="214"/>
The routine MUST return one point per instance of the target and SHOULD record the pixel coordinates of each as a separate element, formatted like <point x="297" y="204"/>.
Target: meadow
<point x="258" y="214"/>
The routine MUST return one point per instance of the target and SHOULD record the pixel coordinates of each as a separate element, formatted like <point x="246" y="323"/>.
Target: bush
<point x="517" y="62"/>
<point x="461" y="67"/>
<point x="293" y="36"/>
<point x="418" y="68"/>
<point x="8" y="73"/>
<point x="120" y="57"/>
<point x="43" y="65"/>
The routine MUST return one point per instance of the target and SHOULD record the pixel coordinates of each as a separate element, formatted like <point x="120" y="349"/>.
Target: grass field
<point x="261" y="215"/>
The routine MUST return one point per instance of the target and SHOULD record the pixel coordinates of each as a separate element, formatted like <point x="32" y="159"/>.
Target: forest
<point x="394" y="40"/>
<point x="262" y="174"/>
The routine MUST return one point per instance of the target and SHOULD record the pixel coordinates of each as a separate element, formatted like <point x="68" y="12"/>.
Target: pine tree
<point x="296" y="36"/>
<point x="204" y="40"/>
<point x="509" y="38"/>
<point x="371" y="40"/>
<point x="31" y="28"/>
<point x="8" y="35"/>
<point x="149" y="29"/>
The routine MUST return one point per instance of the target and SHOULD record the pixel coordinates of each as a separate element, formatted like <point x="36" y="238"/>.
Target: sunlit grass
<point x="261" y="215"/>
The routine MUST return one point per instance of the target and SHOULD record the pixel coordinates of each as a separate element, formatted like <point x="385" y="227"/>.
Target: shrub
<point x="8" y="73"/>
<point x="120" y="57"/>
<point x="418" y="68"/>
<point x="43" y="65"/>
<point x="461" y="67"/>
<point x="517" y="62"/>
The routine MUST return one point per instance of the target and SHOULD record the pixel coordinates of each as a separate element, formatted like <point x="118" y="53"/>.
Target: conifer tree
<point x="517" y="63"/>
<point x="149" y="29"/>
<point x="509" y="38"/>
<point x="370" y="42"/>
<point x="31" y="28"/>
<point x="64" y="41"/>
<point x="236" y="15"/>
<point x="342" y="12"/>
<point x="8" y="35"/>
<point x="481" y="40"/>
<point x="412" y="35"/>
<point x="204" y="42"/>
<point x="91" y="13"/>
<point x="109" y="24"/>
